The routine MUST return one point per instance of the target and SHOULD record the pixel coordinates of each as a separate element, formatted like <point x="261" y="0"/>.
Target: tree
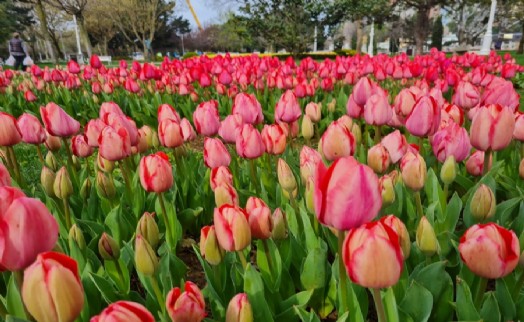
<point x="13" y="18"/>
<point x="468" y="19"/>
<point x="436" y="36"/>
<point x="99" y="24"/>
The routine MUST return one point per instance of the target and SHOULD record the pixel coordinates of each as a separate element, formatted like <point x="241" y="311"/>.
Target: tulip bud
<point x="521" y="169"/>
<point x="85" y="190"/>
<point x="104" y="165"/>
<point x="279" y="225"/>
<point x="239" y="309"/>
<point x="76" y="236"/>
<point x="209" y="247"/>
<point x="76" y="163"/>
<point x="426" y="238"/>
<point x="146" y="261"/>
<point x="357" y="133"/>
<point x="285" y="176"/>
<point x="108" y="248"/>
<point x="50" y="161"/>
<point x="309" y="195"/>
<point x="105" y="187"/>
<point x="47" y="179"/>
<point x="307" y="128"/>
<point x="448" y="173"/>
<point x="225" y="194"/>
<point x="288" y="194"/>
<point x="148" y="228"/>
<point x="332" y="105"/>
<point x="414" y="171"/>
<point x="387" y="189"/>
<point x="378" y="158"/>
<point x="398" y="226"/>
<point x="483" y="203"/>
<point x="62" y="186"/>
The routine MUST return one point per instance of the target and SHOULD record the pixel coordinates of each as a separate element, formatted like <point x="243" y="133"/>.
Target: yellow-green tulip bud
<point x="62" y="186"/>
<point x="448" y="173"/>
<point x="483" y="203"/>
<point x="426" y="239"/>
<point x="146" y="261"/>
<point x="148" y="228"/>
<point x="108" y="247"/>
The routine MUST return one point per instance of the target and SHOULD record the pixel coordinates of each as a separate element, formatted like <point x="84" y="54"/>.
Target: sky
<point x="208" y="11"/>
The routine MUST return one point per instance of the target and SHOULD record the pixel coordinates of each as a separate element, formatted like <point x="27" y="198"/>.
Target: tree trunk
<point x="83" y="34"/>
<point x="421" y="29"/>
<point x="146" y="50"/>
<point x="358" y="26"/>
<point x="39" y="10"/>
<point x="521" y="43"/>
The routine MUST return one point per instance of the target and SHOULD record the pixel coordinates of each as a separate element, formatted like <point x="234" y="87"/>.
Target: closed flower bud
<point x="426" y="238"/>
<point x="104" y="165"/>
<point x="403" y="236"/>
<point x="105" y="187"/>
<point x="225" y="194"/>
<point x="232" y="227"/>
<point x="448" y="173"/>
<point x="50" y="161"/>
<point x="279" y="225"/>
<point x="47" y="179"/>
<point x="387" y="188"/>
<point x="108" y="248"/>
<point x="378" y="158"/>
<point x="76" y="236"/>
<point x="414" y="171"/>
<point x="288" y="194"/>
<point x="307" y="128"/>
<point x="285" y="176"/>
<point x="357" y="133"/>
<point x="62" y="186"/>
<point x="309" y="195"/>
<point x="85" y="190"/>
<point x="146" y="261"/>
<point x="148" y="228"/>
<point x="239" y="309"/>
<point x="483" y="203"/>
<point x="209" y="247"/>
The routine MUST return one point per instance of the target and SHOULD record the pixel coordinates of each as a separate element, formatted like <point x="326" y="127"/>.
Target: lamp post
<point x="488" y="36"/>
<point x="77" y="39"/>
<point x="371" y="36"/>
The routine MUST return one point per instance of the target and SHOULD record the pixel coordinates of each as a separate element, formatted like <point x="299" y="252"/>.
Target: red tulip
<point x="424" y="119"/>
<point x="206" y="119"/>
<point x="166" y="111"/>
<point x="80" y="147"/>
<point x="220" y="175"/>
<point x="232" y="227"/>
<point x="373" y="256"/>
<point x="73" y="67"/>
<point x="452" y="140"/>
<point x="52" y="289"/>
<point x="114" y="145"/>
<point x="94" y="61"/>
<point x="92" y="131"/>
<point x="188" y="132"/>
<point x="188" y="306"/>
<point x="287" y="109"/>
<point x="5" y="178"/>
<point x="9" y="132"/>
<point x="109" y="107"/>
<point x="466" y="96"/>
<point x="274" y="138"/>
<point x="30" y="96"/>
<point x="337" y="142"/>
<point x="170" y="133"/>
<point x="346" y="187"/>
<point x="57" y="122"/>
<point x="32" y="131"/>
<point x="156" y="174"/>
<point x="215" y="153"/>
<point x="247" y="106"/>
<point x="27" y="229"/>
<point x="124" y="311"/>
<point x="229" y="128"/>
<point x="489" y="250"/>
<point x="249" y="142"/>
<point x="492" y="128"/>
<point x="377" y="110"/>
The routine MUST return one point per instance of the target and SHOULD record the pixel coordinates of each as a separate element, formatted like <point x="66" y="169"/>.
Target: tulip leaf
<point x="417" y="302"/>
<point x="119" y="274"/>
<point x="11" y="318"/>
<point x="506" y="304"/>
<point x="105" y="287"/>
<point x="313" y="274"/>
<point x="287" y="307"/>
<point x="306" y="316"/>
<point x="213" y="280"/>
<point x="171" y="271"/>
<point x="254" y="288"/>
<point x="490" y="309"/>
<point x="390" y="305"/>
<point x="452" y="214"/>
<point x="14" y="302"/>
<point x="269" y="263"/>
<point x="505" y="209"/>
<point x="121" y="228"/>
<point x="465" y="308"/>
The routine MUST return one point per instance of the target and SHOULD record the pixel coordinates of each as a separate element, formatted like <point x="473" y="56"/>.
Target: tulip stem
<point x="297" y="213"/>
<point x="169" y="235"/>
<point x="342" y="274"/>
<point x="125" y="175"/>
<point x="19" y="280"/>
<point x="378" y="134"/>
<point x="3" y="311"/>
<point x="120" y="273"/>
<point x="242" y="259"/>
<point x="67" y="214"/>
<point x="70" y="162"/>
<point x="483" y="282"/>
<point x="518" y="286"/>
<point x="379" y="306"/>
<point x="421" y="145"/>
<point x="268" y="256"/>
<point x="487" y="157"/>
<point x="253" y="172"/>
<point x="12" y="156"/>
<point x="40" y="155"/>
<point x="158" y="293"/>
<point x="418" y="201"/>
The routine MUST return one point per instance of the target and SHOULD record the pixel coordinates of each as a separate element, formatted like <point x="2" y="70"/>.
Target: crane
<point x="194" y="15"/>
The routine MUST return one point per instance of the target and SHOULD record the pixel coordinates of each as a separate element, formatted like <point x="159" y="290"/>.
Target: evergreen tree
<point x="13" y="18"/>
<point x="436" y="36"/>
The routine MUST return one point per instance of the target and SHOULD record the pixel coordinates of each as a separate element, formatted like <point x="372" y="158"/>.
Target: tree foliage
<point x="13" y="18"/>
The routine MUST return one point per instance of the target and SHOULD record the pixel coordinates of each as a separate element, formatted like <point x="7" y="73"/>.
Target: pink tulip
<point x="94" y="62"/>
<point x="27" y="229"/>
<point x="373" y="256"/>
<point x="215" y="153"/>
<point x="220" y="175"/>
<point x="363" y="90"/>
<point x="117" y="122"/>
<point x="377" y="110"/>
<point x="80" y="147"/>
<point x="187" y="306"/>
<point x="424" y="119"/>
<point x="57" y="122"/>
<point x="73" y="67"/>
<point x="489" y="250"/>
<point x="9" y="132"/>
<point x="501" y="93"/>
<point x="314" y="111"/>
<point x="260" y="222"/>
<point x="170" y="133"/>
<point x="247" y="106"/>
<point x="155" y="171"/>
<point x="452" y="140"/>
<point x="52" y="143"/>
<point x="346" y="187"/>
<point x="32" y="131"/>
<point x="206" y="119"/>
<point x="109" y="107"/>
<point x="274" y="138"/>
<point x="92" y="131"/>
<point x="114" y="145"/>
<point x="518" y="132"/>
<point x="232" y="228"/>
<point x="337" y="142"/>
<point x="5" y="178"/>
<point x="30" y="96"/>
<point x="404" y="103"/>
<point x="287" y="109"/>
<point x="475" y="163"/>
<point x="254" y="202"/>
<point x="309" y="159"/>
<point x="230" y="127"/>
<point x="492" y="128"/>
<point x="353" y="109"/>
<point x="249" y="143"/>
<point x="124" y="311"/>
<point x="466" y="96"/>
<point x="378" y="158"/>
<point x="188" y="132"/>
<point x="166" y="111"/>
<point x="452" y="112"/>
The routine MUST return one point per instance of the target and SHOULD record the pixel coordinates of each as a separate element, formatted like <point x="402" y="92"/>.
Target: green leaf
<point x="390" y="305"/>
<point x="11" y="318"/>
<point x="306" y="316"/>
<point x="105" y="287"/>
<point x="417" y="302"/>
<point x="452" y="215"/>
<point x="490" y="309"/>
<point x="254" y="289"/>
<point x="287" y="307"/>
<point x="271" y="268"/>
<point x="15" y="305"/>
<point x="465" y="308"/>
<point x="506" y="304"/>
<point x="114" y="269"/>
<point x="313" y="274"/>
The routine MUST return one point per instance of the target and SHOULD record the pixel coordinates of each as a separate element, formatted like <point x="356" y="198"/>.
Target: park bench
<point x="105" y="59"/>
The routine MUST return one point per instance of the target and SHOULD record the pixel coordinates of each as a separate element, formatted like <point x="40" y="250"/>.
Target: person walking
<point x="17" y="50"/>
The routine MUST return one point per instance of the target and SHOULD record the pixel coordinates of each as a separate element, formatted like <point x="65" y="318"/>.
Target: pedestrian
<point x="17" y="50"/>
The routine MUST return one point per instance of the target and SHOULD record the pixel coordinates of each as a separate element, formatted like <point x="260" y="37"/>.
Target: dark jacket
<point x="16" y="47"/>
